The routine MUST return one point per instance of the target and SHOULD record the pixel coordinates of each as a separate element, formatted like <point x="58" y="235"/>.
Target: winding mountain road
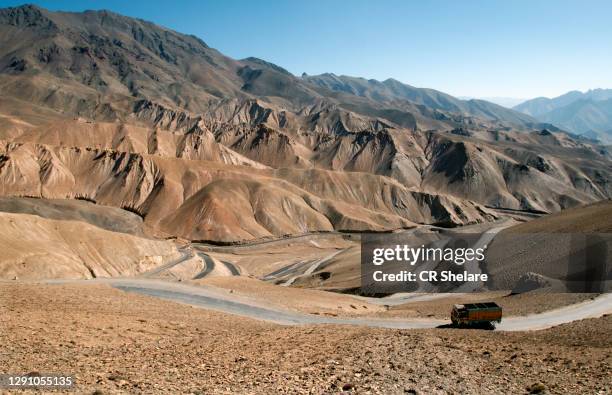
<point x="232" y="268"/>
<point x="210" y="266"/>
<point x="312" y="267"/>
<point x="215" y="299"/>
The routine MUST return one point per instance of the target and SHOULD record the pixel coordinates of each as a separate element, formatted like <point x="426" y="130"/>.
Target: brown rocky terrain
<point x="134" y="152"/>
<point x="132" y="115"/>
<point x="116" y="343"/>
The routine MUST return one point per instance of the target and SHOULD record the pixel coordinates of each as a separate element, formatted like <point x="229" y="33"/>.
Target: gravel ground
<point x="118" y="343"/>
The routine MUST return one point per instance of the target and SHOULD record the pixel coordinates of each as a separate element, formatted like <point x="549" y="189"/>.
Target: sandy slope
<point x="109" y="218"/>
<point x="34" y="247"/>
<point x="552" y="246"/>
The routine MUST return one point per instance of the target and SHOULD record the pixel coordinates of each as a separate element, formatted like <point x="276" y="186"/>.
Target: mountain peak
<point x="391" y="81"/>
<point x="28" y="7"/>
<point x="260" y="62"/>
<point x="28" y="15"/>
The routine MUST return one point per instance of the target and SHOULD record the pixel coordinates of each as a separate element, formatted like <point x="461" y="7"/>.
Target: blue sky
<point x="466" y="48"/>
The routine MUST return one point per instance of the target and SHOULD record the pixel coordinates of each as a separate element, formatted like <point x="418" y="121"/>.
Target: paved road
<point x="185" y="255"/>
<point x="232" y="268"/>
<point x="520" y="213"/>
<point x="311" y="268"/>
<point x="598" y="307"/>
<point x="267" y="242"/>
<point x="210" y="266"/>
<point x="473" y="265"/>
<point x="215" y="299"/>
<point x="283" y="271"/>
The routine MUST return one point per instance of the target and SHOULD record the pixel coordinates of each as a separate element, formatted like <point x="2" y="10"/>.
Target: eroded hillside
<point x="125" y="113"/>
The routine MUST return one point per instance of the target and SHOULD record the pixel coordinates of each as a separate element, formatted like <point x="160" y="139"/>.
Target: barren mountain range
<point x="170" y="212"/>
<point x="129" y="114"/>
<point x="588" y="113"/>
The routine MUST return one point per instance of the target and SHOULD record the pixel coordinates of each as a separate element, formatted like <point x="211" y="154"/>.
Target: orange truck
<point x="474" y="314"/>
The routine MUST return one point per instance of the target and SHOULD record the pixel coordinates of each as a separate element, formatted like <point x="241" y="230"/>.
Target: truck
<point x="476" y="314"/>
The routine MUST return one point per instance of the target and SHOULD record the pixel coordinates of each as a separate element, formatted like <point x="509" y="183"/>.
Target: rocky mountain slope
<point x="109" y="60"/>
<point x="392" y="90"/>
<point x="128" y="114"/>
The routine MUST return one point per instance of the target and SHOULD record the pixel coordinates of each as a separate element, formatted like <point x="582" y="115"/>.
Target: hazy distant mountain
<point x="542" y="105"/>
<point x="508" y="102"/>
<point x="588" y="113"/>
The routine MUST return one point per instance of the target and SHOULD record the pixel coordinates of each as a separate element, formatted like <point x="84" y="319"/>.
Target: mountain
<point x="542" y="105"/>
<point x="111" y="59"/>
<point x="508" y="102"/>
<point x="128" y="114"/>
<point x="390" y="91"/>
<point x="588" y="113"/>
